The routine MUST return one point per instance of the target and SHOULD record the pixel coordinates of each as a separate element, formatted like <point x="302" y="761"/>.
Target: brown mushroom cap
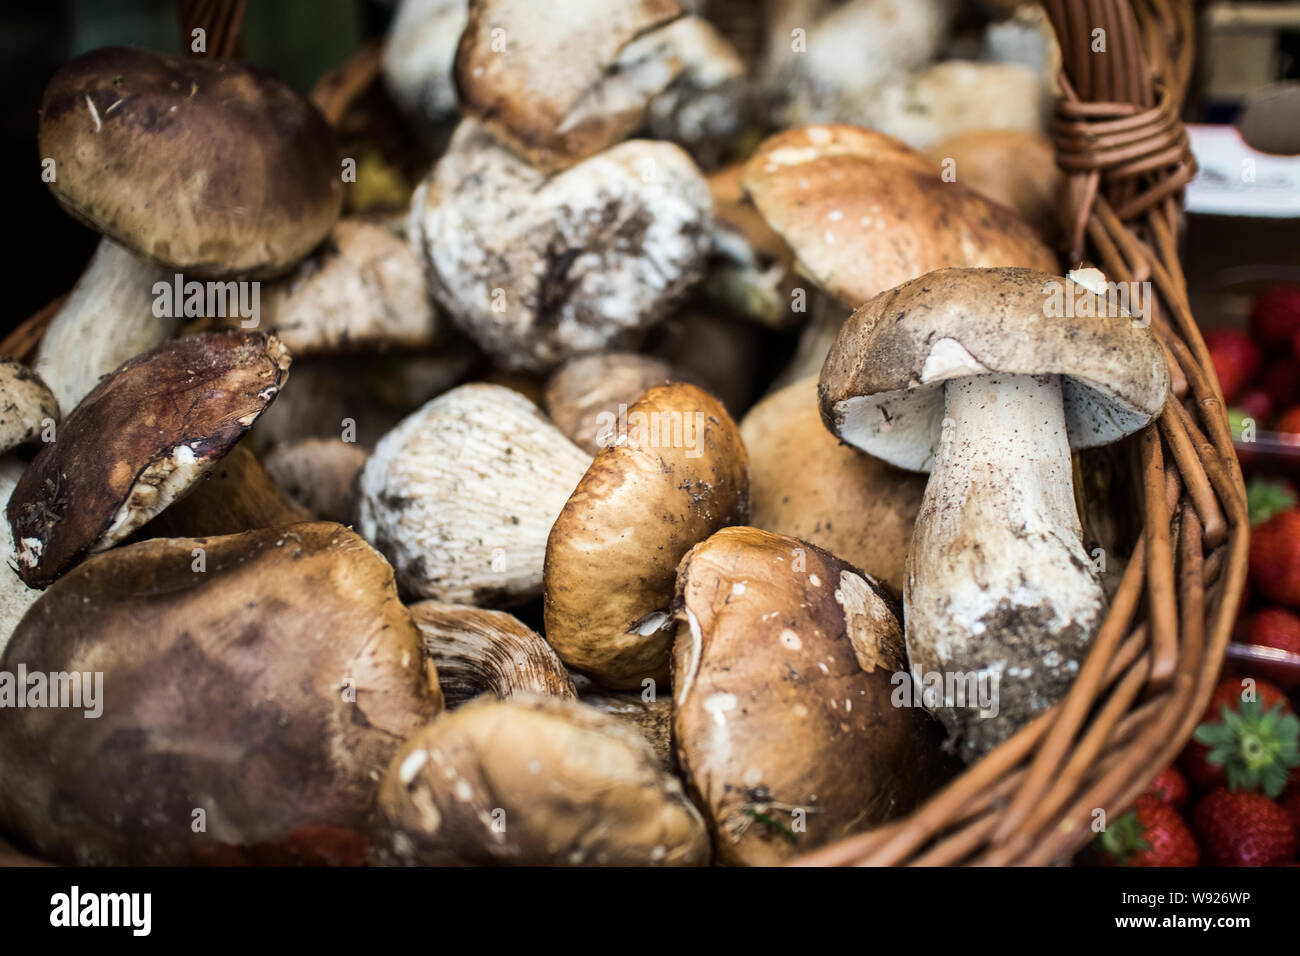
<point x="318" y="474"/>
<point x="205" y="166"/>
<point x="480" y="652"/>
<point x="783" y="721"/>
<point x="536" y="781"/>
<point x="863" y="212"/>
<point x="882" y="387"/>
<point x="679" y="475"/>
<point x="565" y="91"/>
<point x="26" y="403"/>
<point x="1012" y="166"/>
<point x="584" y="391"/>
<point x="137" y="442"/>
<point x="804" y="482"/>
<point x="267" y="687"/>
<point x="651" y="715"/>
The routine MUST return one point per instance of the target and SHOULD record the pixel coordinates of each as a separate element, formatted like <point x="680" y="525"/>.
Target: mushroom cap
<point x="584" y="390"/>
<point x="269" y="689"/>
<point x="863" y="212"/>
<point x="418" y="58"/>
<point x="882" y="385"/>
<point x="566" y="90"/>
<point x="318" y="473"/>
<point x="783" y="675"/>
<point x="806" y="483"/>
<point x="1015" y="167"/>
<point x="15" y="596"/>
<point x="679" y="475"/>
<point x="137" y="442"/>
<point x="478" y="652"/>
<point x="206" y="166"/>
<point x="461" y="495"/>
<point x="536" y="781"/>
<point x="26" y="403"/>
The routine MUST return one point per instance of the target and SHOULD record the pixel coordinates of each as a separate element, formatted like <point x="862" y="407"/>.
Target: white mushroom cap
<point x="882" y="384"/>
<point x="15" y="596"/>
<point x="26" y="404"/>
<point x="418" y="58"/>
<point x="460" y="497"/>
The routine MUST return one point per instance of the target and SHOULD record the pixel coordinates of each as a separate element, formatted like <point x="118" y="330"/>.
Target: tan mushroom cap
<point x="882" y="385"/>
<point x="586" y="391"/>
<point x="679" y="475"/>
<point x="205" y="166"/>
<point x="566" y="90"/>
<point x="536" y="781"/>
<point x="318" y="474"/>
<point x="268" y="686"/>
<point x="1012" y="166"/>
<point x="26" y="404"/>
<point x="863" y="212"/>
<point x="783" y="675"/>
<point x="478" y="652"/>
<point x="804" y="482"/>
<point x="138" y="441"/>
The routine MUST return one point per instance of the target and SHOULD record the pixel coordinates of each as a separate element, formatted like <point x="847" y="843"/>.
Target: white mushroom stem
<point x="997" y="577"/>
<point x="107" y="319"/>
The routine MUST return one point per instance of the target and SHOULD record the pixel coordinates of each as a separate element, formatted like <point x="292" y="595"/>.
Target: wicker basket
<point x="1157" y="657"/>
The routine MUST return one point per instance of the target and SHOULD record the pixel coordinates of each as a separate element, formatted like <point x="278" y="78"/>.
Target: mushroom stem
<point x="997" y="548"/>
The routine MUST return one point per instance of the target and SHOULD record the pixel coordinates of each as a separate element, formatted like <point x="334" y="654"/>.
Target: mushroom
<point x="805" y="483"/>
<point x="248" y="693"/>
<point x="27" y="406"/>
<point x="137" y="442"/>
<point x="236" y="494"/>
<point x="108" y="318"/>
<point x="487" y="652"/>
<point x="15" y="596"/>
<point x="1014" y="167"/>
<point x="649" y="714"/>
<point x="784" y="721"/>
<point x="564" y="93"/>
<point x="418" y="58"/>
<point x="317" y="473"/>
<point x="533" y="782"/>
<point x="974" y="376"/>
<point x="676" y="473"/>
<point x="536" y="269"/>
<point x="584" y="395"/>
<point x="363" y="288"/>
<point x="203" y="166"/>
<point x="717" y="351"/>
<point x="461" y="495"/>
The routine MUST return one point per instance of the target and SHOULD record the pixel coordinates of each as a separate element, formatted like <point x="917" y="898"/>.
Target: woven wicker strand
<point x="1152" y="668"/>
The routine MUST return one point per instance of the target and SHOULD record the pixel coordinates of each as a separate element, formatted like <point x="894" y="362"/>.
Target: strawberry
<point x="1276" y="627"/>
<point x="1236" y="359"/>
<point x="1275" y="558"/>
<point x="1243" y="829"/>
<point x="1275" y="317"/>
<point x="1170" y="787"/>
<point x="1256" y="403"/>
<point x="1281" y="380"/>
<point x="1290" y="802"/>
<point x="1289" y="421"/>
<point x="1151" y="834"/>
<point x="1265" y="497"/>
<point x="1249" y="739"/>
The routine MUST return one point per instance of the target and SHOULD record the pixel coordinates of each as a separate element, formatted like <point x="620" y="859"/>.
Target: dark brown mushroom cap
<point x="783" y="676"/>
<point x="268" y="687"/>
<point x="678" y="474"/>
<point x="881" y="388"/>
<point x="208" y="167"/>
<point x="136" y="442"/>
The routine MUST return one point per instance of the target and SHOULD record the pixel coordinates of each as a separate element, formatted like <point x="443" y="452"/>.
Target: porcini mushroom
<point x="806" y="483"/>
<point x="15" y="596"/>
<point x="461" y="495"/>
<point x="418" y="58"/>
<point x="584" y="395"/>
<point x="27" y="406"/>
<point x="676" y="473"/>
<point x="976" y="376"/>
<point x="784" y="673"/>
<point x="1014" y="167"/>
<point x="253" y="688"/>
<point x="317" y="473"/>
<point x="480" y="652"/>
<point x="532" y="782"/>
<point x="536" y="269"/>
<point x="137" y="442"/>
<point x="203" y="166"/>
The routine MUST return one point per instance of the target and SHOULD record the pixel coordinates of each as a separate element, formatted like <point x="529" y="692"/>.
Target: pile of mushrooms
<point x="569" y="507"/>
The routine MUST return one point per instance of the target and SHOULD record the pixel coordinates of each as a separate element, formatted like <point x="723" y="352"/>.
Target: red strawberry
<point x="1276" y="627"/>
<point x="1275" y="558"/>
<point x="1266" y="496"/>
<point x="1236" y="359"/>
<point x="1151" y="834"/>
<point x="1275" y="318"/>
<point x="1289" y="420"/>
<point x="1290" y="802"/>
<point x="1243" y="829"/>
<point x="1244" y="744"/>
<point x="1256" y="403"/>
<point x="1170" y="787"/>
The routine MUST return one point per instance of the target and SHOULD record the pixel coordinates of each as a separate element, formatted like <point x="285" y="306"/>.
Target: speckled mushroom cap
<point x="209" y="167"/>
<point x="882" y="385"/>
<point x="563" y="90"/>
<point x="26" y="403"/>
<point x="863" y="212"/>
<point x="137" y="442"/>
